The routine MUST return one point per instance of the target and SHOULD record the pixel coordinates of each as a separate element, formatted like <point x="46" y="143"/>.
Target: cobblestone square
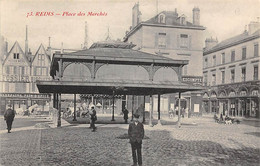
<point x="199" y="141"/>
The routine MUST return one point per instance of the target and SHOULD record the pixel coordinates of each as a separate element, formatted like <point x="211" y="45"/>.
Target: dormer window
<point x="183" y="20"/>
<point x="161" y="18"/>
<point x="16" y="55"/>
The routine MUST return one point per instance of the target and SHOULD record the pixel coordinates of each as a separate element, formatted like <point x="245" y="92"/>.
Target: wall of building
<point x="249" y="63"/>
<point x="147" y="39"/>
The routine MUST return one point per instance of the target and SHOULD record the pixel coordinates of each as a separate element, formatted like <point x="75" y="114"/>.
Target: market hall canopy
<point x="114" y="68"/>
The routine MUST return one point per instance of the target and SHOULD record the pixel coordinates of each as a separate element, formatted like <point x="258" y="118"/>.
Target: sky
<point x="222" y="19"/>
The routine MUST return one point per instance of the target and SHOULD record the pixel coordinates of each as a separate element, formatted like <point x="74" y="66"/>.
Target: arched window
<point x="161" y="18"/>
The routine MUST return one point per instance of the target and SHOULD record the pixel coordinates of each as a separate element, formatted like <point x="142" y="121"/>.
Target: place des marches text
<point x="66" y="14"/>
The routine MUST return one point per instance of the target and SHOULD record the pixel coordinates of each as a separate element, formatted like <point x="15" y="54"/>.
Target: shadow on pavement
<point x="80" y="146"/>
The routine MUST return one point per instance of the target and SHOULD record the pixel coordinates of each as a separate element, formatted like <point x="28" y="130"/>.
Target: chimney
<point x="210" y="43"/>
<point x="253" y="27"/>
<point x="136" y="15"/>
<point x="26" y="41"/>
<point x="196" y="16"/>
<point x="86" y="36"/>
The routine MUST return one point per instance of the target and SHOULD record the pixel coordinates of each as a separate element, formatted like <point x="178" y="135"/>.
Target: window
<point x="34" y="71"/>
<point x="183" y="21"/>
<point x="223" y="58"/>
<point x="16" y="55"/>
<point x="162" y="40"/>
<point x="44" y="71"/>
<point x="184" y="43"/>
<point x="243" y="74"/>
<point x="213" y="79"/>
<point x="255" y="72"/>
<point x="33" y="87"/>
<point x="38" y="71"/>
<point x="214" y="60"/>
<point x="206" y="62"/>
<point x="184" y="72"/>
<point x="205" y="79"/>
<point x="7" y="70"/>
<point x="256" y="51"/>
<point x="15" y="70"/>
<point x="22" y="71"/>
<point x="232" y="75"/>
<point x="7" y="87"/>
<point x="41" y="56"/>
<point x="222" y="77"/>
<point x="161" y="20"/>
<point x="243" y="53"/>
<point x="233" y="53"/>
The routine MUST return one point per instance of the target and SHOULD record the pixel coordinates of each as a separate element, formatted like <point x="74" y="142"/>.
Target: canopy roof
<point x="107" y="54"/>
<point x="119" y="87"/>
<point x="114" y="56"/>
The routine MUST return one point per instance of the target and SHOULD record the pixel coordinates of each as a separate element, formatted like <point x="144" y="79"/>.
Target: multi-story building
<point x="172" y="35"/>
<point x="20" y="70"/>
<point x="231" y="74"/>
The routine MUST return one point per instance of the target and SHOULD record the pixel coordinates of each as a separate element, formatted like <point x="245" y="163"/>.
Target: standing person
<point x="125" y="111"/>
<point x="93" y="117"/>
<point x="9" y="117"/>
<point x="136" y="135"/>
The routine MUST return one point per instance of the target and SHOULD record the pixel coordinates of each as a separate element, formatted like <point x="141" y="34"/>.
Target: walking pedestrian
<point x="125" y="111"/>
<point x="9" y="117"/>
<point x="136" y="135"/>
<point x="93" y="117"/>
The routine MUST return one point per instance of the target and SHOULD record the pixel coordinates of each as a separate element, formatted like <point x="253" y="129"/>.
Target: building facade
<point x="231" y="74"/>
<point x="171" y="35"/>
<point x="20" y="71"/>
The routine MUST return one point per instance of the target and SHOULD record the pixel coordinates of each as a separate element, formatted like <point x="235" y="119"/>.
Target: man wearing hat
<point x="9" y="117"/>
<point x="93" y="117"/>
<point x="136" y="134"/>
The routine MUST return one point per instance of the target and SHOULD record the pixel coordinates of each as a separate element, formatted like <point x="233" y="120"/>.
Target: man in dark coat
<point x="93" y="117"/>
<point x="125" y="111"/>
<point x="136" y="135"/>
<point x="9" y="117"/>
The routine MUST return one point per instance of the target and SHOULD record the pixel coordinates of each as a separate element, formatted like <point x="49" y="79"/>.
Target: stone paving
<point x="199" y="141"/>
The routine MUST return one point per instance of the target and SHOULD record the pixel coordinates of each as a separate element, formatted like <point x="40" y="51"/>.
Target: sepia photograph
<point x="129" y="82"/>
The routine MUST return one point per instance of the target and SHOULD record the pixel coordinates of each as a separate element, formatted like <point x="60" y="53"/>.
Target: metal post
<point x="74" y="119"/>
<point x="54" y="100"/>
<point x="150" y="110"/>
<point x="102" y="105"/>
<point x="179" y="111"/>
<point x="144" y="111"/>
<point x="133" y="107"/>
<point x="113" y="116"/>
<point x="159" y="111"/>
<point x="59" y="108"/>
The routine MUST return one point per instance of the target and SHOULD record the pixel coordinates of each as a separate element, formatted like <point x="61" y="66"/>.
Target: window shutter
<point x="178" y="41"/>
<point x="168" y="41"/>
<point x="156" y="40"/>
<point x="190" y="41"/>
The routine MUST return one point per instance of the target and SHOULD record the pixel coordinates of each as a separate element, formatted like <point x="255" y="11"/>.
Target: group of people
<point x="135" y="130"/>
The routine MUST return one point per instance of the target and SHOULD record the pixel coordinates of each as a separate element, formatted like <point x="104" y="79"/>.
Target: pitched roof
<point x="48" y="56"/>
<point x="20" y="49"/>
<point x="234" y="41"/>
<point x="119" y="53"/>
<point x="174" y="20"/>
<point x="112" y="44"/>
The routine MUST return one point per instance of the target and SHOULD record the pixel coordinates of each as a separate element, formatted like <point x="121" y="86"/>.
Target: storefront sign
<point x="192" y="79"/>
<point x="15" y="78"/>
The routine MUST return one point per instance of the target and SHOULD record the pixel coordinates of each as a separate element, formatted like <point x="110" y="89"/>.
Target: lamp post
<point x="113" y="116"/>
